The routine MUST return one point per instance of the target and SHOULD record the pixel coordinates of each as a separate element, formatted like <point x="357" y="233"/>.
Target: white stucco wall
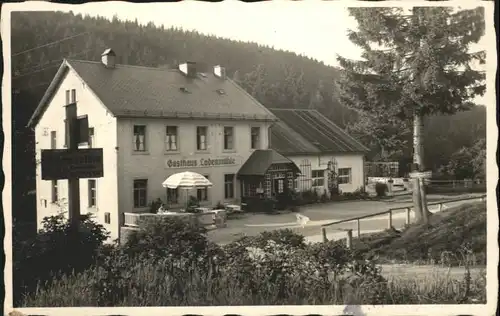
<point x="105" y="132"/>
<point x="353" y="161"/>
<point x="152" y="164"/>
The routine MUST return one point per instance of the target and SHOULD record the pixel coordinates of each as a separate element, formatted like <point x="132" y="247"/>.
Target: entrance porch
<point x="267" y="176"/>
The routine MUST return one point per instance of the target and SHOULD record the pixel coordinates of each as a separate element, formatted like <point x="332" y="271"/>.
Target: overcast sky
<point x="286" y="26"/>
<point x="312" y="28"/>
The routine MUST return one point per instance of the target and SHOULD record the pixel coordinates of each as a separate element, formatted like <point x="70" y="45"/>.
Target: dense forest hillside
<point x="40" y="40"/>
<point x="276" y="78"/>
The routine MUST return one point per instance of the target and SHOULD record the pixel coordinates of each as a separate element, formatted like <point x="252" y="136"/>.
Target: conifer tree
<point x="415" y="63"/>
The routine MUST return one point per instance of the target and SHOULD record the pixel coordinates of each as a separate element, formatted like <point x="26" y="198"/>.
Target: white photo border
<point x="492" y="179"/>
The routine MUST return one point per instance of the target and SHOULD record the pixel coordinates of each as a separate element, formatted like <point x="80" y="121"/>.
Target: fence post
<point x="349" y="239"/>
<point x="408" y="216"/>
<point x="389" y="224"/>
<point x="359" y="228"/>
<point x="323" y="231"/>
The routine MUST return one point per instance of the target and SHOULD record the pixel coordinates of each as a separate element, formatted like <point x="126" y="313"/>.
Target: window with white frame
<point x="280" y="185"/>
<point x="202" y="194"/>
<point x="229" y="186"/>
<point x="55" y="191"/>
<point x="140" y="192"/>
<point x="70" y="96"/>
<point x="255" y="137"/>
<point x="344" y="175"/>
<point x="171" y="141"/>
<point x="318" y="178"/>
<point x="291" y="181"/>
<point x="92" y="194"/>
<point x="91" y="137"/>
<point x="172" y="196"/>
<point x="139" y="143"/>
<point x="201" y="137"/>
<point x="228" y="137"/>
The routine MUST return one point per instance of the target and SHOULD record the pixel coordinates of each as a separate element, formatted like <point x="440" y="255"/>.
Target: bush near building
<point x="55" y="251"/>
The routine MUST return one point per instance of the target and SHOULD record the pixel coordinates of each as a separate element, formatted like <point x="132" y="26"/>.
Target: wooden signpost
<point x="73" y="164"/>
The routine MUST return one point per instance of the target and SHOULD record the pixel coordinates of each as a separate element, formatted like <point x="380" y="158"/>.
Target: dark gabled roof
<point x="287" y="141"/>
<point x="302" y="131"/>
<point x="133" y="91"/>
<point x="260" y="160"/>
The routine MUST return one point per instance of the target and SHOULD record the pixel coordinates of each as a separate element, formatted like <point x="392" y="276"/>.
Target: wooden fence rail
<point x="390" y="213"/>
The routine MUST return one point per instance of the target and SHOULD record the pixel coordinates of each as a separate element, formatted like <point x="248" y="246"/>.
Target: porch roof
<point x="260" y="160"/>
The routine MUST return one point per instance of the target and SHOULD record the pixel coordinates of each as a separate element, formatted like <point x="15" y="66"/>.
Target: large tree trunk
<point x="422" y="213"/>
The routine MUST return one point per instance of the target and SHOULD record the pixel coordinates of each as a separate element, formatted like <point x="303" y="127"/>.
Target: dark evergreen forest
<point x="276" y="78"/>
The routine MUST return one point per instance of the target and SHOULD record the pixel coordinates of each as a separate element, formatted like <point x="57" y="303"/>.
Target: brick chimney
<point x="220" y="72"/>
<point x="108" y="58"/>
<point x="188" y="68"/>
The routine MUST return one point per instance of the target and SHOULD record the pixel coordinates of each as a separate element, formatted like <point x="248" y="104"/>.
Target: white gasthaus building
<point x="152" y="123"/>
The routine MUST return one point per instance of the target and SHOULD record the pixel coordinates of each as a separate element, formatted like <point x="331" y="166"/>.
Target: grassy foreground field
<point x="286" y="271"/>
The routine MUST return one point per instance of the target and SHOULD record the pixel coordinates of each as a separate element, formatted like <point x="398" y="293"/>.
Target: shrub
<point x="161" y="237"/>
<point x="112" y="277"/>
<point x="360" y="192"/>
<point x="310" y="196"/>
<point x="192" y="204"/>
<point x="57" y="249"/>
<point x="260" y="205"/>
<point x="324" y="197"/>
<point x="155" y="205"/>
<point x="330" y="255"/>
<point x="315" y="195"/>
<point x="381" y="189"/>
<point x="286" y="237"/>
<point x="283" y="200"/>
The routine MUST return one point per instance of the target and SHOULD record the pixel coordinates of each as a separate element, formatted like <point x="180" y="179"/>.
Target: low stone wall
<point x="210" y="220"/>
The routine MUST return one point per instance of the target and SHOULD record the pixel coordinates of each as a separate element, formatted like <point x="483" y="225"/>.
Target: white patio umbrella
<point x="186" y="180"/>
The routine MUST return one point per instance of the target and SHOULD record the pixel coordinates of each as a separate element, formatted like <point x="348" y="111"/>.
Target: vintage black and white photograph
<point x="296" y="154"/>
